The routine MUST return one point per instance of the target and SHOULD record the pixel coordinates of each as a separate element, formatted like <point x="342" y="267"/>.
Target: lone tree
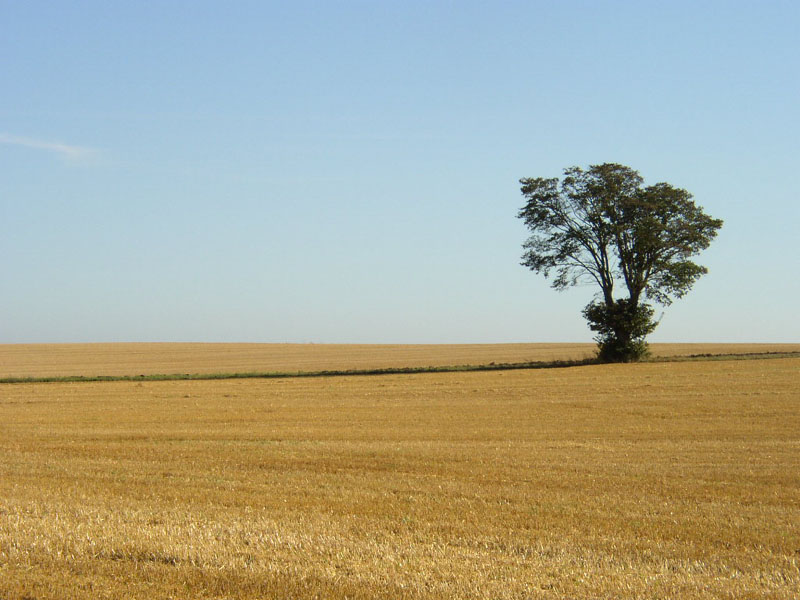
<point x="601" y="225"/>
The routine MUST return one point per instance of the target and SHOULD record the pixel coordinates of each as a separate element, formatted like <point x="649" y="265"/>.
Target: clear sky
<point x="348" y="171"/>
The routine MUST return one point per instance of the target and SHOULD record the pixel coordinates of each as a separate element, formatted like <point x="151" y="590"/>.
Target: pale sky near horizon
<point x="348" y="171"/>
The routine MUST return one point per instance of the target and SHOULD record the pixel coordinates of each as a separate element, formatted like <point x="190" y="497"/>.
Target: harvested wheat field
<point x="48" y="360"/>
<point x="658" y="480"/>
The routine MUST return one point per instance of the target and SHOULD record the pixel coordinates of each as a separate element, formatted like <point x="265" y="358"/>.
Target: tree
<point x="603" y="226"/>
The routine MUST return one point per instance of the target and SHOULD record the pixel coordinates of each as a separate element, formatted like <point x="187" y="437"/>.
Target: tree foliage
<point x="621" y="329"/>
<point x="602" y="225"/>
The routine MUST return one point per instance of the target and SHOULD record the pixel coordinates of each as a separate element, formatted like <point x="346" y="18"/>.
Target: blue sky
<point x="348" y="171"/>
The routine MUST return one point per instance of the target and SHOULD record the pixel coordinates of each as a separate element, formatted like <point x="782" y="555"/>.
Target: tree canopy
<point x="603" y="225"/>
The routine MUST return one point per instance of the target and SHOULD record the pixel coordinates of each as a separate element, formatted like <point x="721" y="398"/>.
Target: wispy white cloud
<point x="66" y="151"/>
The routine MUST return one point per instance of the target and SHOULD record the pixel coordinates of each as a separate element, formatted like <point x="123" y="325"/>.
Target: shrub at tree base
<point x="621" y="329"/>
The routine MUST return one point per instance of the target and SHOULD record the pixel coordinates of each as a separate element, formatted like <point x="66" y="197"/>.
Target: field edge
<point x="516" y="366"/>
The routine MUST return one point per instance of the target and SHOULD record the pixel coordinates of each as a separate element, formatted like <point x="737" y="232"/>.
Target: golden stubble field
<point x="663" y="480"/>
<point x="46" y="360"/>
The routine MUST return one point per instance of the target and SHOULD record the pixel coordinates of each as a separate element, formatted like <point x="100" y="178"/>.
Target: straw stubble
<point x="637" y="481"/>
